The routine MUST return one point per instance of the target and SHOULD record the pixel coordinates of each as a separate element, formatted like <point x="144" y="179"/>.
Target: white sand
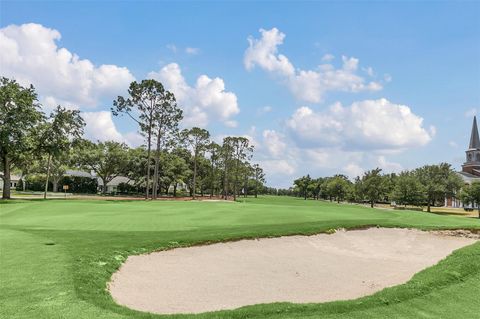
<point x="300" y="269"/>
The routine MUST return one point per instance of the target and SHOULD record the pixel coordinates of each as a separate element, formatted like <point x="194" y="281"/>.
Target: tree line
<point x="34" y="143"/>
<point x="427" y="186"/>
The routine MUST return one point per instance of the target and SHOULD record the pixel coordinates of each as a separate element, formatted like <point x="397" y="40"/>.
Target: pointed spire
<point x="474" y="139"/>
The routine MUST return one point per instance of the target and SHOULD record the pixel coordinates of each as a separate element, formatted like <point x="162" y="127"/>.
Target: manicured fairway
<point x="57" y="255"/>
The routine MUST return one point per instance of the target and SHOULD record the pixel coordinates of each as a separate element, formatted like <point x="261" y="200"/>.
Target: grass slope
<point x="57" y="255"/>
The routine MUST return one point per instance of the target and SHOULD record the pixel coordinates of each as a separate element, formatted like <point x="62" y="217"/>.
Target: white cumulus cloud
<point x="283" y="158"/>
<point x="306" y="85"/>
<point x="205" y="101"/>
<point x="353" y="170"/>
<point x="99" y="126"/>
<point x="278" y="168"/>
<point x="387" y="166"/>
<point x="264" y="53"/>
<point x="367" y="125"/>
<point x="29" y="53"/>
<point x="274" y="143"/>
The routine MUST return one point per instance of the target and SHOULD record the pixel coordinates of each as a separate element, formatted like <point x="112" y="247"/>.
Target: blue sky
<point x="306" y="112"/>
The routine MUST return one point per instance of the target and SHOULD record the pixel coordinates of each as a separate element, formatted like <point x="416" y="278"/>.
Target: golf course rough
<point x="57" y="256"/>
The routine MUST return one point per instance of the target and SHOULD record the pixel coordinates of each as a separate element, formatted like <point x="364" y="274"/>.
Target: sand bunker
<point x="298" y="269"/>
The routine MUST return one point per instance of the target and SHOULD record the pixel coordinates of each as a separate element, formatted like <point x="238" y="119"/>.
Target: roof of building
<point x="71" y="172"/>
<point x="468" y="178"/>
<point x="474" y="138"/>
<point x="115" y="181"/>
<point x="13" y="177"/>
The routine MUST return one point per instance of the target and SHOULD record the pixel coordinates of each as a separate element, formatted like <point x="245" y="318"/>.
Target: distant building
<point x="75" y="173"/>
<point x="471" y="168"/>
<point x="112" y="186"/>
<point x="14" y="181"/>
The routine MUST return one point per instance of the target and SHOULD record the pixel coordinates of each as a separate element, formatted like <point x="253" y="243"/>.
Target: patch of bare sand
<point x="300" y="269"/>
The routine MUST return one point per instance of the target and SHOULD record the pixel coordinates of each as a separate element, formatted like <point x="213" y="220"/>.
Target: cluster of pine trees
<point x="33" y="144"/>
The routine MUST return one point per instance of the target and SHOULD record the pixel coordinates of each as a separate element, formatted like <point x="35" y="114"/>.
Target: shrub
<point x="78" y="184"/>
<point x="125" y="188"/>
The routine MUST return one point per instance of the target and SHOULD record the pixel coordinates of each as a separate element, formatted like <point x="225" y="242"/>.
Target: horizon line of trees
<point x="33" y="143"/>
<point x="428" y="186"/>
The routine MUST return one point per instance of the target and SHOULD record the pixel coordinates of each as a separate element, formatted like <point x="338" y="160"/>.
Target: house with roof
<point x="111" y="187"/>
<point x="14" y="181"/>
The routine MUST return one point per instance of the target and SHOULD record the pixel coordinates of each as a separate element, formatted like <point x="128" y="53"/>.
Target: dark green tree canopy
<point x="144" y="100"/>
<point x="107" y="159"/>
<point x="438" y="181"/>
<point x="197" y="140"/>
<point x="62" y="129"/>
<point x="20" y="116"/>
<point x="408" y="190"/>
<point x="155" y="110"/>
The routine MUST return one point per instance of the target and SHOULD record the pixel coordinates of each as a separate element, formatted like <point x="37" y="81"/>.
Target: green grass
<point x="56" y="256"/>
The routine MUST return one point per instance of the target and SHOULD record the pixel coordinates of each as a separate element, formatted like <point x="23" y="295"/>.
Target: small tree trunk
<point x="55" y="185"/>
<point x="235" y="182"/>
<point x="245" y="187"/>
<point x="372" y="203"/>
<point x="175" y="189"/>
<point x="155" y="176"/>
<point x="225" y="183"/>
<point x="104" y="190"/>
<point x="149" y="158"/>
<point x="194" y="174"/>
<point x="6" y="177"/>
<point x="212" y="176"/>
<point x="48" y="175"/>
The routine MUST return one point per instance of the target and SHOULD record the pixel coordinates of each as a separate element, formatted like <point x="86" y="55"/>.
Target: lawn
<point x="57" y="255"/>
